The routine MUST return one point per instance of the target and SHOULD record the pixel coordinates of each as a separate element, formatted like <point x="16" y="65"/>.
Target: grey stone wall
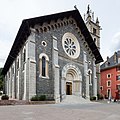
<point x="45" y="85"/>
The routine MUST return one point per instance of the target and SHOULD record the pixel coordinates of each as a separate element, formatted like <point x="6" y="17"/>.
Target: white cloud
<point x="12" y="12"/>
<point x="4" y="51"/>
<point x="116" y="42"/>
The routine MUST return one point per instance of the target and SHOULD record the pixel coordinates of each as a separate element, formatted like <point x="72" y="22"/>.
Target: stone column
<point x="86" y="75"/>
<point x="80" y="88"/>
<point x="94" y="80"/>
<point x="30" y="66"/>
<point x="20" y="76"/>
<point x="63" y="86"/>
<point x="87" y="86"/>
<point x="13" y="87"/>
<point x="6" y="84"/>
<point x="9" y="87"/>
<point x="24" y="95"/>
<point x="10" y="84"/>
<point x="56" y="70"/>
<point x="18" y="86"/>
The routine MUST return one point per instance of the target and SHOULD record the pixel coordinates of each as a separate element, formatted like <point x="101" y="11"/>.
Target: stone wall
<point x="45" y="85"/>
<point x="24" y="102"/>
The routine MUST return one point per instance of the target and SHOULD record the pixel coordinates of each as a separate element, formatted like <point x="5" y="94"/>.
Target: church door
<point x="68" y="88"/>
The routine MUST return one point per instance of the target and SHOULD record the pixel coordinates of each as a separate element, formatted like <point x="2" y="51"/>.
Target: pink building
<point x="110" y="77"/>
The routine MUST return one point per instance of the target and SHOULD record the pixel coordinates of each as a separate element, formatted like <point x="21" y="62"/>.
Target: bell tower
<point x="93" y="26"/>
<point x="94" y="29"/>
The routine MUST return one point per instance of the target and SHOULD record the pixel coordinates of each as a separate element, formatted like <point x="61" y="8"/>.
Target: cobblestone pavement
<point x="97" y="111"/>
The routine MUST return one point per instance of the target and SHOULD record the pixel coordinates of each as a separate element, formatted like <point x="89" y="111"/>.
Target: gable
<point x="24" y="32"/>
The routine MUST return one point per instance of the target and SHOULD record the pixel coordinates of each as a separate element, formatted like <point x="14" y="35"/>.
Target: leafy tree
<point x="1" y="79"/>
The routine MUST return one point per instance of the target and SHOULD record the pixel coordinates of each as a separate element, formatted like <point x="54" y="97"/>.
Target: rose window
<point x="71" y="45"/>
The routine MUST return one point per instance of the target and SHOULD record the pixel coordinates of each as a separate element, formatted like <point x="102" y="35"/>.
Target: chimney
<point x="118" y="55"/>
<point x="115" y="57"/>
<point x="107" y="58"/>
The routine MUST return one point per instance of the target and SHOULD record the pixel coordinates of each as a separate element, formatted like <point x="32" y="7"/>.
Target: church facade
<point x="52" y="55"/>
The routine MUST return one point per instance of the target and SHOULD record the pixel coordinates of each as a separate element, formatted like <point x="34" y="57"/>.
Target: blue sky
<point x="12" y="12"/>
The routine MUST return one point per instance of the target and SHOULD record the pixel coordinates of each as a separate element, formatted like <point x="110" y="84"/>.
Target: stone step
<point x="72" y="99"/>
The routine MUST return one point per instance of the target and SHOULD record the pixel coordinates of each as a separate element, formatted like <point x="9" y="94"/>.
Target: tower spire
<point x="88" y="10"/>
<point x="75" y="6"/>
<point x="88" y="14"/>
<point x="97" y="21"/>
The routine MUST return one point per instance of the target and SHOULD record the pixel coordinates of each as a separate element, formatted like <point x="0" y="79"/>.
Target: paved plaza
<point x="96" y="111"/>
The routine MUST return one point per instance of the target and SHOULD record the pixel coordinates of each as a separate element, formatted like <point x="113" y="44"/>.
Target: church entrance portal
<point x="68" y="88"/>
<point x="71" y="83"/>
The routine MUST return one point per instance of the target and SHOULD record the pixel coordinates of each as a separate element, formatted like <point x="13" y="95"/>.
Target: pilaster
<point x="31" y="66"/>
<point x="87" y="86"/>
<point x="63" y="86"/>
<point x="94" y="80"/>
<point x="56" y="70"/>
<point x="86" y="75"/>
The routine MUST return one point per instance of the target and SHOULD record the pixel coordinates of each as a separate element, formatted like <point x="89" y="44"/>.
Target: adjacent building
<point x="54" y="55"/>
<point x="110" y="77"/>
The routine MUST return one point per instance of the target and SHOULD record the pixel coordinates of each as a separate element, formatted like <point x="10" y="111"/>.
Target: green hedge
<point x="100" y="97"/>
<point x="1" y="93"/>
<point x="4" y="97"/>
<point x="93" y="98"/>
<point x="38" y="98"/>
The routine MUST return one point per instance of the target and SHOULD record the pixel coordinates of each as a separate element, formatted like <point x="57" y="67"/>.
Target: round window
<point x="71" y="45"/>
<point x="44" y="43"/>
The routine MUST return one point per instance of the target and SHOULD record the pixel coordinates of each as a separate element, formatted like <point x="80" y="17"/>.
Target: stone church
<point x="54" y="55"/>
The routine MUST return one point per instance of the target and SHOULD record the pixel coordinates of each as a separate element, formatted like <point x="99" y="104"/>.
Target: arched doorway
<point x="68" y="88"/>
<point x="71" y="83"/>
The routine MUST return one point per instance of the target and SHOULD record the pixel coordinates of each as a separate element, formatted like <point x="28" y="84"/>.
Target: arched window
<point x="43" y="62"/>
<point x="95" y="40"/>
<point x="24" y="55"/>
<point x="43" y="66"/>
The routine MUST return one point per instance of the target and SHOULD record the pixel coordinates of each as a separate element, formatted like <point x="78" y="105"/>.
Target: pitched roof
<point x="111" y="62"/>
<point x="24" y="32"/>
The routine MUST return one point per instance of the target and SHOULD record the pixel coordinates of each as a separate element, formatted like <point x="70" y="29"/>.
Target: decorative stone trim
<point x="61" y="23"/>
<point x="32" y="61"/>
<point x="74" y="68"/>
<point x="71" y="45"/>
<point x="44" y="43"/>
<point x="57" y="66"/>
<point x="43" y="54"/>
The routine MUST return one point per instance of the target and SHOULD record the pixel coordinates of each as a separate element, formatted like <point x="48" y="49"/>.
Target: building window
<point x="17" y="63"/>
<point x="118" y="68"/>
<point x="12" y="70"/>
<point x="43" y="66"/>
<point x="43" y="58"/>
<point x="108" y="93"/>
<point x="24" y="55"/>
<point x="108" y="75"/>
<point x="95" y="41"/>
<point x="101" y="87"/>
<point x="90" y="73"/>
<point x="71" y="45"/>
<point x="117" y="87"/>
<point x="118" y="77"/>
<point x="109" y="83"/>
<point x="24" y="58"/>
<point x="108" y="63"/>
<point x="9" y="74"/>
<point x="94" y="31"/>
<point x="44" y="43"/>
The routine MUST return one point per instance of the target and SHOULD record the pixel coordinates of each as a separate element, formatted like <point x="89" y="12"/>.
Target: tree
<point x="1" y="80"/>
